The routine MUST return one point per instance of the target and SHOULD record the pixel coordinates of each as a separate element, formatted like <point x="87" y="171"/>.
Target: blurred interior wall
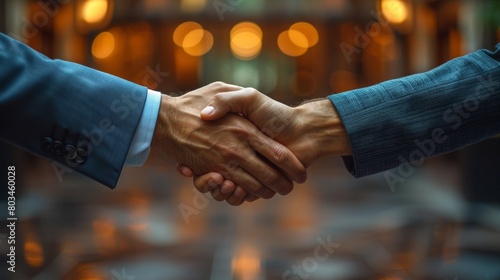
<point x="480" y="171"/>
<point x="423" y="39"/>
<point x="2" y="16"/>
<point x="5" y="149"/>
<point x="471" y="25"/>
<point x="15" y="18"/>
<point x="481" y="174"/>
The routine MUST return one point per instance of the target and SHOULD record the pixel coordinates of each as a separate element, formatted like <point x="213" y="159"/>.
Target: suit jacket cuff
<point x="139" y="148"/>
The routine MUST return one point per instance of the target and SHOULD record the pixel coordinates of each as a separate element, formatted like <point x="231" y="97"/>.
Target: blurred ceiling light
<point x="246" y="40"/>
<point x="288" y="47"/>
<point x="94" y="11"/>
<point x="191" y="37"/>
<point x="246" y="26"/>
<point x="103" y="45"/>
<point x="395" y="11"/>
<point x="193" y="6"/>
<point x="306" y="30"/>
<point x="298" y="39"/>
<point x="204" y="39"/>
<point x="184" y="29"/>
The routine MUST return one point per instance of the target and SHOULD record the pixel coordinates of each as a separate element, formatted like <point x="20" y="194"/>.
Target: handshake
<point x="240" y="145"/>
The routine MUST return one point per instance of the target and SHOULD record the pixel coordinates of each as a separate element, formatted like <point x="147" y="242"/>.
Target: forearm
<point x="422" y="115"/>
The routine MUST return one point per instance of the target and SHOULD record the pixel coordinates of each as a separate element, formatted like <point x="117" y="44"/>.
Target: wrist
<point x="163" y="123"/>
<point x="177" y="119"/>
<point x="326" y="134"/>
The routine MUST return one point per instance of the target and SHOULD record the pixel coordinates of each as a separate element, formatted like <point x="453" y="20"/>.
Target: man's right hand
<point x="227" y="146"/>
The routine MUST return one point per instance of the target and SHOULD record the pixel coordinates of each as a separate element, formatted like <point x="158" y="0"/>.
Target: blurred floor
<point x="156" y="226"/>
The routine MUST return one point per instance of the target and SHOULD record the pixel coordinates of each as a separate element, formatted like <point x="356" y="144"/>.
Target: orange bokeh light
<point x="306" y="30"/>
<point x="193" y="39"/>
<point x="298" y="39"/>
<point x="103" y="45"/>
<point x="288" y="47"/>
<point x="246" y="40"/>
<point x="94" y="11"/>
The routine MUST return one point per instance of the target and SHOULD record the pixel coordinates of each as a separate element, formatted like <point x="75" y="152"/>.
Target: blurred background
<point x="440" y="222"/>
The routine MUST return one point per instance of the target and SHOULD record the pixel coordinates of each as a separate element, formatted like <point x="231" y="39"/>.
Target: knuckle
<point x="231" y="166"/>
<point x="218" y="84"/>
<point x="230" y="152"/>
<point x="220" y="97"/>
<point x="255" y="142"/>
<point x="252" y="93"/>
<point x="270" y="178"/>
<point x="281" y="155"/>
<point x="241" y="132"/>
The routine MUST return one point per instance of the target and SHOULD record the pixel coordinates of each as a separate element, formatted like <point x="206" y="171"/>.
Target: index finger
<point x="280" y="155"/>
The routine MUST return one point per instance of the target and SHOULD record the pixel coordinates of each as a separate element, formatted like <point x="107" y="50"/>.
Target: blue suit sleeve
<point x="82" y="112"/>
<point x="423" y="115"/>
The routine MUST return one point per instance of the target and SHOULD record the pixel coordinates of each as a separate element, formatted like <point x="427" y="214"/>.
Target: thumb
<point x="213" y="112"/>
<point x="243" y="101"/>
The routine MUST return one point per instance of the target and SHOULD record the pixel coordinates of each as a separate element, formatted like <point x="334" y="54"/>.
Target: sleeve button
<point x="46" y="144"/>
<point x="69" y="152"/>
<point x="57" y="147"/>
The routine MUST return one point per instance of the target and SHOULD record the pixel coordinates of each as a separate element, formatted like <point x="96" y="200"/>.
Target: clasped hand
<point x="230" y="146"/>
<point x="244" y="145"/>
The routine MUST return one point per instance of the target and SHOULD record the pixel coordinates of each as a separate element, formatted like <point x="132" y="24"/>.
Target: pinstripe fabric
<point x="410" y="118"/>
<point x="38" y="94"/>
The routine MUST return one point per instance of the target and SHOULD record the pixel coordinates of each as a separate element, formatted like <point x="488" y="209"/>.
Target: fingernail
<point x="208" y="110"/>
<point x="226" y="189"/>
<point x="185" y="172"/>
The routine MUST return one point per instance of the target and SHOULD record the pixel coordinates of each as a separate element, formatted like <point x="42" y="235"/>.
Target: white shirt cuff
<point x="141" y="143"/>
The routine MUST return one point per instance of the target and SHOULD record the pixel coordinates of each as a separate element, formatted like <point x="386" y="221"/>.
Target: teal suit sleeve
<point x="75" y="116"/>
<point x="411" y="118"/>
